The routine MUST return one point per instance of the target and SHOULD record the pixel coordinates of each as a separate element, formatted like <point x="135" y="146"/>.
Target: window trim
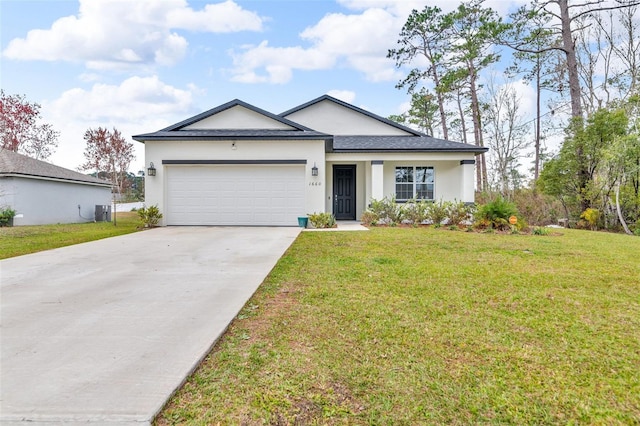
<point x="414" y="183"/>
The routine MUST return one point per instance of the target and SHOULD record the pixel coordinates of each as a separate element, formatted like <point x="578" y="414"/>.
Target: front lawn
<point x="431" y="326"/>
<point x="19" y="240"/>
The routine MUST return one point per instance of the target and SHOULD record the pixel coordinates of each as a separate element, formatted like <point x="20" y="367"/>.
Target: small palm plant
<point x="150" y="216"/>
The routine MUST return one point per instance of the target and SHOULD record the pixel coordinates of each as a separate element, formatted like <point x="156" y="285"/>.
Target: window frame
<point x="411" y="174"/>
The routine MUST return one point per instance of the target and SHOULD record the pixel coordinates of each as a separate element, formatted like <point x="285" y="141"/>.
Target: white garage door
<point x="235" y="195"/>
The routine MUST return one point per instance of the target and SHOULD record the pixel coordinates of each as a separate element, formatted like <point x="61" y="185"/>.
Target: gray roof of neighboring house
<point x="14" y="164"/>
<point x="354" y="108"/>
<point x="401" y="143"/>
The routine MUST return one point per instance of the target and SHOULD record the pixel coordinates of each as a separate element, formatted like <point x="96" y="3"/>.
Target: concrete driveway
<point x="104" y="332"/>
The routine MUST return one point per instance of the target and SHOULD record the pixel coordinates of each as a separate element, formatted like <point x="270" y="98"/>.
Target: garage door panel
<point x="235" y="195"/>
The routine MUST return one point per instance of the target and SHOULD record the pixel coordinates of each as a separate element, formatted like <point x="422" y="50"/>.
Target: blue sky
<point x="141" y="65"/>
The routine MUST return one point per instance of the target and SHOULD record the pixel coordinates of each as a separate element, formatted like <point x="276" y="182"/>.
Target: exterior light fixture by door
<point x="314" y="170"/>
<point x="233" y="146"/>
<point x="151" y="171"/>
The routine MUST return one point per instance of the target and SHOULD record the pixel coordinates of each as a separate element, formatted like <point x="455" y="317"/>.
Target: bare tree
<point x="541" y="70"/>
<point x="506" y="134"/>
<point x="566" y="22"/>
<point x="621" y="30"/>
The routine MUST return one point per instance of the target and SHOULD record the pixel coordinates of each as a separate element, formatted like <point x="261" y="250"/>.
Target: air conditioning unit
<point x="103" y="213"/>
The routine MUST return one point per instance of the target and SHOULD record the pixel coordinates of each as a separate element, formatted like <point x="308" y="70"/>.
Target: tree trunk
<point x="477" y="129"/>
<point x="463" y="125"/>
<point x="536" y="167"/>
<point x="619" y="211"/>
<point x="569" y="46"/>
<point x="443" y="113"/>
<point x="439" y="96"/>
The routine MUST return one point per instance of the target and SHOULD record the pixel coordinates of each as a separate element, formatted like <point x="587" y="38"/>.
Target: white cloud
<point x="396" y="7"/>
<point x="344" y="95"/>
<point x="504" y="7"/>
<point x="115" y="34"/>
<point x="89" y="77"/>
<point x="278" y="62"/>
<point x="216" y="18"/>
<point x="404" y="7"/>
<point x="358" y="41"/>
<point x="133" y="99"/>
<point x="137" y="105"/>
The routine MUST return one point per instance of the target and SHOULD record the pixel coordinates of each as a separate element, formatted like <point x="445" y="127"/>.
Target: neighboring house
<point x="42" y="193"/>
<point x="240" y="165"/>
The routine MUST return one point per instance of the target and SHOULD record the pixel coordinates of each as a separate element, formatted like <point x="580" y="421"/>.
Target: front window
<point x="414" y="183"/>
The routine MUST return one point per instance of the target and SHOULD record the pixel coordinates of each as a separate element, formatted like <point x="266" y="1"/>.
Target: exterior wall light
<point x="314" y="170"/>
<point x="151" y="171"/>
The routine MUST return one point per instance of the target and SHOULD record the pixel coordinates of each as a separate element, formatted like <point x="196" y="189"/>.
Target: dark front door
<point x="344" y="192"/>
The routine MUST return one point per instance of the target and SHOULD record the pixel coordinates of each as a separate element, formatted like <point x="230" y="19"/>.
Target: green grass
<point x="431" y="326"/>
<point x="19" y="240"/>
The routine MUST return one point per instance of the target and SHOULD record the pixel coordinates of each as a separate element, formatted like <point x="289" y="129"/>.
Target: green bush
<point x="437" y="212"/>
<point x="538" y="230"/>
<point x="387" y="211"/>
<point x="6" y="216"/>
<point x="495" y="214"/>
<point x="415" y="211"/>
<point x="150" y="216"/>
<point x="458" y="213"/>
<point x="591" y="216"/>
<point x="322" y="220"/>
<point x="537" y="208"/>
<point x="369" y="218"/>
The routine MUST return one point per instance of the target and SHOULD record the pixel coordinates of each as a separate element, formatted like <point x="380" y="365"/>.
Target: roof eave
<point x="55" y="179"/>
<point x="151" y="138"/>
<point x="416" y="150"/>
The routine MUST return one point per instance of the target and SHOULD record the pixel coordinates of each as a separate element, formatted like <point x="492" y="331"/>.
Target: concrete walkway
<point x="104" y="332"/>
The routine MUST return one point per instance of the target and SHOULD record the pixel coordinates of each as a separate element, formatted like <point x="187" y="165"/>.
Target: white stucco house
<point x="237" y="164"/>
<point x="42" y="193"/>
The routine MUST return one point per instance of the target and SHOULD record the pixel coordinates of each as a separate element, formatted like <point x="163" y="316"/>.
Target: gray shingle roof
<point x="224" y="134"/>
<point x="14" y="164"/>
<point x="400" y="143"/>
<point x="415" y="141"/>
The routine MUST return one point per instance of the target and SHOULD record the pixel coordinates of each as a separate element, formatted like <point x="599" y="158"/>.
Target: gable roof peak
<point x="233" y="103"/>
<point x="354" y="108"/>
